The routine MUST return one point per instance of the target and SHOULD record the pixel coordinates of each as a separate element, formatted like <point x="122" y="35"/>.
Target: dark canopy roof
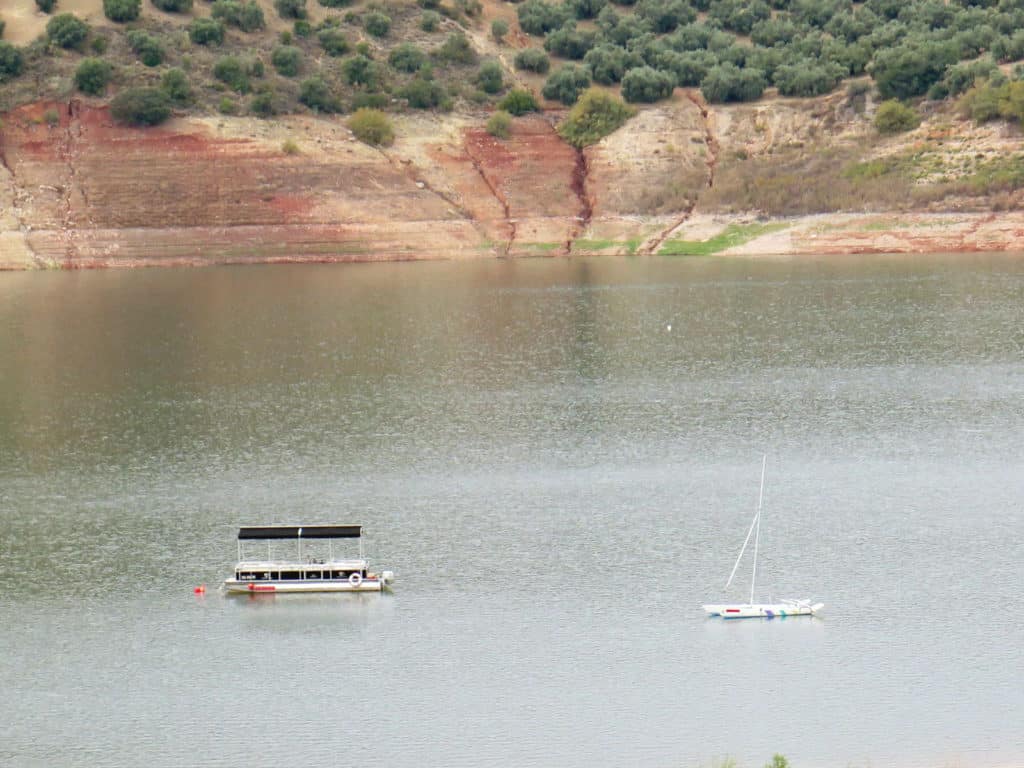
<point x="301" y="532"/>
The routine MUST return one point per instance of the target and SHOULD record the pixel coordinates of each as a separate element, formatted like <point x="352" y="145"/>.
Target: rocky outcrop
<point x="77" y="190"/>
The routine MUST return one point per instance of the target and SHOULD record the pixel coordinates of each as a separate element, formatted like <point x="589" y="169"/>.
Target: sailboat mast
<point x="757" y="520"/>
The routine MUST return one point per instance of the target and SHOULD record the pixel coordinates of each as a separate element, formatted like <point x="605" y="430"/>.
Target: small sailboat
<point x="754" y="610"/>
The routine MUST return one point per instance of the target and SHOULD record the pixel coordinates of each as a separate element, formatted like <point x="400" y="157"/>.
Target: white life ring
<point x="355" y="579"/>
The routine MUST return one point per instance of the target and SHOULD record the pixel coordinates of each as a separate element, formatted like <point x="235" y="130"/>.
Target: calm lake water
<point x="559" y="460"/>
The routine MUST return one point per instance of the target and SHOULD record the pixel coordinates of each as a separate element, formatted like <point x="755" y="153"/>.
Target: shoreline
<point x="701" y="235"/>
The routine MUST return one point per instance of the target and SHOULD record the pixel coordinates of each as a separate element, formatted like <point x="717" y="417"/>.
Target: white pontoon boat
<point x="304" y="574"/>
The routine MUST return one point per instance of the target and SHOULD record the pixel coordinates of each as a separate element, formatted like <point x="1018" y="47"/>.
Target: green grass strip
<point x="730" y="237"/>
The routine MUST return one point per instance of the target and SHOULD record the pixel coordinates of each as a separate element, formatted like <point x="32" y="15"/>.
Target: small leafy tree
<point x="46" y="6"/>
<point x="647" y="85"/>
<point x="67" y="30"/>
<point x="499" y="28"/>
<point x="334" y="42"/>
<point x="287" y="60"/>
<point x="406" y="57"/>
<point x="360" y="70"/>
<point x="290" y="9"/>
<point x="371" y="126"/>
<point x="570" y="43"/>
<point x="92" y="76"/>
<point x="377" y="24"/>
<point x="538" y="17"/>
<point x="233" y="72"/>
<point x="263" y="104"/>
<point x="423" y="93"/>
<point x="593" y="117"/>
<point x="456" y="49"/>
<point x="206" y="32"/>
<point x="11" y="62"/>
<point x="429" y="21"/>
<point x="174" y="6"/>
<point x="566" y="83"/>
<point x="500" y="124"/>
<point x="146" y="47"/>
<point x="518" y="102"/>
<point x="490" y="77"/>
<point x="335" y="3"/>
<point x="895" y="117"/>
<point x="247" y="17"/>
<point x="122" y="10"/>
<point x="141" y="106"/>
<point x="175" y="84"/>
<point x="533" y="60"/>
<point x="316" y="94"/>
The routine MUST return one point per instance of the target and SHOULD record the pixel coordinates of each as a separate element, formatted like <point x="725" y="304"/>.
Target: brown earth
<point x="77" y="190"/>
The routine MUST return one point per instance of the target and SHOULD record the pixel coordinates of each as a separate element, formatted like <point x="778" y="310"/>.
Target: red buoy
<point x="200" y="590"/>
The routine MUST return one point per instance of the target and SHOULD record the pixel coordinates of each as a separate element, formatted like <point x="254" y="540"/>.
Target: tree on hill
<point x="141" y="106"/>
<point x="67" y="30"/>
<point x="122" y="10"/>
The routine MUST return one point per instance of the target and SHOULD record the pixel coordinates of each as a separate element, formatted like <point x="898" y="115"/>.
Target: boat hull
<point x="764" y="610"/>
<point x="234" y="586"/>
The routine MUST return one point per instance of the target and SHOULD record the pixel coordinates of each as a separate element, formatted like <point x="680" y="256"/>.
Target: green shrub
<point x="429" y="21"/>
<point x="206" y="32"/>
<point x="361" y="70"/>
<point x="808" y="78"/>
<point x="247" y="17"/>
<point x="2" y="25"/>
<point x="499" y="124"/>
<point x="371" y="126"/>
<point x="518" y="102"/>
<point x="538" y="17"/>
<point x="302" y="28"/>
<point x="335" y="3"/>
<point x="146" y="47"/>
<point x="377" y="24"/>
<point x="11" y="62"/>
<point x="227" y="106"/>
<point x="606" y="63"/>
<point x="910" y="70"/>
<point x="407" y="58"/>
<point x="533" y="60"/>
<point x="175" y="84"/>
<point x="263" y="104"/>
<point x="140" y="106"/>
<point x="456" y="49"/>
<point x="727" y="82"/>
<point x="122" y="10"/>
<point x="570" y="43"/>
<point x="98" y="45"/>
<point x="290" y="9"/>
<point x="174" y="6"/>
<point x="371" y="100"/>
<point x="565" y="84"/>
<point x="429" y="4"/>
<point x="894" y="117"/>
<point x="499" y="28"/>
<point x="51" y="118"/>
<point x="46" y="6"/>
<point x="586" y="9"/>
<point x="423" y="93"/>
<point x="644" y="84"/>
<point x="92" y="76"/>
<point x="665" y="15"/>
<point x="287" y="60"/>
<point x="233" y="72"/>
<point x="67" y="30"/>
<point x="334" y="42"/>
<point x="490" y="77"/>
<point x="594" y="116"/>
<point x="316" y="94"/>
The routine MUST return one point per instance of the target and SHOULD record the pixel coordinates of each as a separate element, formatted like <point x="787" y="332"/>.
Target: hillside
<point x="246" y="168"/>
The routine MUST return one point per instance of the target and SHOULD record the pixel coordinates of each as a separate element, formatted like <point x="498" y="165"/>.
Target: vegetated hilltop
<point x="743" y="108"/>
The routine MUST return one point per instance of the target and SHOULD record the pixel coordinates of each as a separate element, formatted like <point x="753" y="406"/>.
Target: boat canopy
<point x="301" y="532"/>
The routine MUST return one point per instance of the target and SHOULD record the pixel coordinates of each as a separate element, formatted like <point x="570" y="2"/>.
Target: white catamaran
<point x="754" y="610"/>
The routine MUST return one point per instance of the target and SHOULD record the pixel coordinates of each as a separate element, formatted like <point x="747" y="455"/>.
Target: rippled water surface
<point x="559" y="460"/>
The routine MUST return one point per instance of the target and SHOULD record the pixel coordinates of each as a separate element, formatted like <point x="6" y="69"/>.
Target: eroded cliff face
<point x="80" y="191"/>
